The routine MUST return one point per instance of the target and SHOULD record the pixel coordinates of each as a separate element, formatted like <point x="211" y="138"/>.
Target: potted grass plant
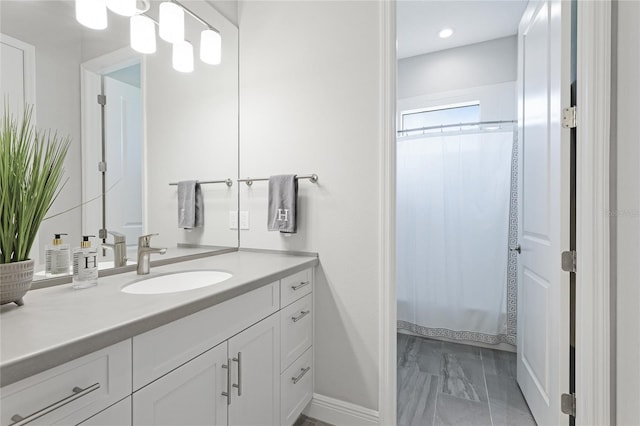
<point x="31" y="171"/>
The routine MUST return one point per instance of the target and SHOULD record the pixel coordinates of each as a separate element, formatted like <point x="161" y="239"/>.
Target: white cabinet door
<point x="189" y="395"/>
<point x="255" y="355"/>
<point x="118" y="414"/>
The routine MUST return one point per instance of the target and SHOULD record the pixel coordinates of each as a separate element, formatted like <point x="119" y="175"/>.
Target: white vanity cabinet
<point x="245" y="361"/>
<point x="72" y="392"/>
<point x="189" y="395"/>
<point x="255" y="374"/>
<point x="118" y="414"/>
<point x="235" y="383"/>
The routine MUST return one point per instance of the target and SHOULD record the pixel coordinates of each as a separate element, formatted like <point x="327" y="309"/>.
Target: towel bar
<point x="249" y="181"/>
<point x="229" y="182"/>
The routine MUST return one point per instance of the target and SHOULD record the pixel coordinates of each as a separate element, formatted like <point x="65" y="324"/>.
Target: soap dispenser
<point x="85" y="264"/>
<point x="56" y="256"/>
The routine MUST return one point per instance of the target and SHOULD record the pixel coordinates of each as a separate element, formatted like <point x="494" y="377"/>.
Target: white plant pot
<point x="15" y="281"/>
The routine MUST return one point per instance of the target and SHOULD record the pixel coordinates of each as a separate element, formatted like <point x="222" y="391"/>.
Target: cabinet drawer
<point x="117" y="415"/>
<point x="165" y="348"/>
<point x="296" y="387"/>
<point x="296" y="330"/>
<point x="73" y="391"/>
<point x="295" y="286"/>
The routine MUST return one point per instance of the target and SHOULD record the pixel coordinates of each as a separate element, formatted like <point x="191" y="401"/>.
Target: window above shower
<point x="437" y="117"/>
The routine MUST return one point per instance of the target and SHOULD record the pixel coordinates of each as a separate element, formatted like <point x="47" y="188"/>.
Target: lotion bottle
<point x="85" y="264"/>
<point x="57" y="259"/>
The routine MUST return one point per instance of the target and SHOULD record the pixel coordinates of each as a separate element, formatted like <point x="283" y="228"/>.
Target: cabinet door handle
<point x="298" y="286"/>
<point x="238" y="386"/>
<point x="77" y="393"/>
<point x="302" y="315"/>
<point x="303" y="371"/>
<point x="228" y="392"/>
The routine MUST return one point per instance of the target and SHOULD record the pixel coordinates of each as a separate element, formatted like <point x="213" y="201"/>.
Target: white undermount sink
<point x="178" y="281"/>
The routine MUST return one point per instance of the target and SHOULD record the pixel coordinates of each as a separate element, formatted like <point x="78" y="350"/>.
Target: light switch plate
<point x="233" y="219"/>
<point x="244" y="219"/>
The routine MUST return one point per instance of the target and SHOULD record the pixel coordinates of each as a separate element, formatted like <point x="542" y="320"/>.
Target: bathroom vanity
<point x="237" y="352"/>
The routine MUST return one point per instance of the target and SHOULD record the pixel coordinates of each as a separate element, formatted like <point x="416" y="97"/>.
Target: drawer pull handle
<point x="228" y="392"/>
<point x="302" y="315"/>
<point x="77" y="393"/>
<point x="239" y="385"/>
<point x="303" y="371"/>
<point x="299" y="286"/>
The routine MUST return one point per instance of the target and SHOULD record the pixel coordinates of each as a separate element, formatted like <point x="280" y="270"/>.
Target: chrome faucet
<point x="119" y="248"/>
<point x="144" y="250"/>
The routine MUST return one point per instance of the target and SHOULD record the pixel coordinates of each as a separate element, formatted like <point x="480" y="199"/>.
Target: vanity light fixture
<point x="122" y="7"/>
<point x="445" y="33"/>
<point x="143" y="34"/>
<point x="171" y="22"/>
<point x="210" y="47"/>
<point x="171" y="28"/>
<point x="182" y="56"/>
<point x="92" y="13"/>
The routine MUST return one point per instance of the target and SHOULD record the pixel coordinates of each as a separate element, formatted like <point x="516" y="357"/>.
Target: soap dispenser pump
<point x="85" y="264"/>
<point x="57" y="257"/>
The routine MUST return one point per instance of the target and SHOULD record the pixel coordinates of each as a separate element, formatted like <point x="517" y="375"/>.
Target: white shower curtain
<point x="453" y="209"/>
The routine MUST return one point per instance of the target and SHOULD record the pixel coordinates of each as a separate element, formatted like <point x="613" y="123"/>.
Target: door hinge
<point x="569" y="118"/>
<point x="102" y="166"/>
<point x="102" y="99"/>
<point x="569" y="261"/>
<point x="568" y="403"/>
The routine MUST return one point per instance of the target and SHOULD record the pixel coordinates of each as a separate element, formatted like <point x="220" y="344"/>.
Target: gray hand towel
<point x="283" y="203"/>
<point x="190" y="205"/>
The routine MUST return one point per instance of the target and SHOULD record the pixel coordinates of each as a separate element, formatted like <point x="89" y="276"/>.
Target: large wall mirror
<point x="160" y="126"/>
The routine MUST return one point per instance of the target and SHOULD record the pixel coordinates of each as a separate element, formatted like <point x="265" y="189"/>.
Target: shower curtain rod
<point x="478" y="123"/>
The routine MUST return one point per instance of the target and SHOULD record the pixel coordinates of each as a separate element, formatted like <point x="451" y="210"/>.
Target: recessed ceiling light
<point x="447" y="32"/>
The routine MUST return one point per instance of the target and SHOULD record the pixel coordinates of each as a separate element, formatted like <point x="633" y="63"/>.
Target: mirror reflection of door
<point x="123" y="146"/>
<point x="18" y="88"/>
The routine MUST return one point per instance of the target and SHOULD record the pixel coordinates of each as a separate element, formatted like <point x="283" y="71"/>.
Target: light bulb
<point x="210" y="47"/>
<point x="445" y="33"/>
<point x="183" y="56"/>
<point x="92" y="13"/>
<point x="171" y="22"/>
<point x="143" y="34"/>
<point x="122" y="7"/>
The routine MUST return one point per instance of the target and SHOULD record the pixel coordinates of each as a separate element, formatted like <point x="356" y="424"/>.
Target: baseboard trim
<point x="340" y="413"/>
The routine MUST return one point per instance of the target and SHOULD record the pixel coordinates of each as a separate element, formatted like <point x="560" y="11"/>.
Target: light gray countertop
<point x="58" y="324"/>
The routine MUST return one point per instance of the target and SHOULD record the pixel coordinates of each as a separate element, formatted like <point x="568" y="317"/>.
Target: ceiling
<point x="472" y="21"/>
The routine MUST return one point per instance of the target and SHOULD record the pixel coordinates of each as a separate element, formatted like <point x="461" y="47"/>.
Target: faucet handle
<point x="118" y="237"/>
<point x="145" y="240"/>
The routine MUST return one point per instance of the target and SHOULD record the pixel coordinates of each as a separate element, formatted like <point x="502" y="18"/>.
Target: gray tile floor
<point x="441" y="383"/>
<point x="308" y="421"/>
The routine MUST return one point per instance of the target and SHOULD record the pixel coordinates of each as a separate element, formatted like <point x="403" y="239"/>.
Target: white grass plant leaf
<point x="31" y="171"/>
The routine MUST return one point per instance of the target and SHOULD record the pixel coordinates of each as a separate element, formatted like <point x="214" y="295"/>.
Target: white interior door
<point x="543" y="294"/>
<point x="123" y="126"/>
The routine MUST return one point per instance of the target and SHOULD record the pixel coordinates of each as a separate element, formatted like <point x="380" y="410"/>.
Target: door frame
<point x="593" y="344"/>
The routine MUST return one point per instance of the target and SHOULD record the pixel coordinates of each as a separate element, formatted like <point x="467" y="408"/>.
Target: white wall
<point x="309" y="97"/>
<point x="192" y="133"/>
<point x="228" y="9"/>
<point x="627" y="213"/>
<point x="487" y="63"/>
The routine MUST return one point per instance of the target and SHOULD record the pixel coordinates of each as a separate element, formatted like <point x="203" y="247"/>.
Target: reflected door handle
<point x="517" y="249"/>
